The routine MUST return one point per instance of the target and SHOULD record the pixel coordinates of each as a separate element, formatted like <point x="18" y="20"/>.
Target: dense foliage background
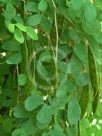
<point x="50" y="67"/>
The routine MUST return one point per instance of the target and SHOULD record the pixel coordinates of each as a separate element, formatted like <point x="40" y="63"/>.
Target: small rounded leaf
<point x="19" y="35"/>
<point x="73" y="112"/>
<point x="31" y="33"/>
<point x="42" y="5"/>
<point x="44" y="115"/>
<point x="34" y="20"/>
<point x="90" y="13"/>
<point x="21" y="27"/>
<point x="11" y="27"/>
<point x="32" y="102"/>
<point x="19" y="132"/>
<point x="14" y="59"/>
<point x="20" y="112"/>
<point x="22" y="79"/>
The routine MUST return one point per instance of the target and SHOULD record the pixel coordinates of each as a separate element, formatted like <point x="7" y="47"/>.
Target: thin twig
<point x="50" y="42"/>
<point x="56" y="27"/>
<point x="24" y="17"/>
<point x="18" y="84"/>
<point x="57" y="42"/>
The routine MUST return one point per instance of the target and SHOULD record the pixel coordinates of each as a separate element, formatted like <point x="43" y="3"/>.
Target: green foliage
<point x="50" y="67"/>
<point x="73" y="111"/>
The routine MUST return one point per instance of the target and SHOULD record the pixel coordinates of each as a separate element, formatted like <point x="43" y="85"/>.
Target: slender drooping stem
<point x="56" y="27"/>
<point x="57" y="42"/>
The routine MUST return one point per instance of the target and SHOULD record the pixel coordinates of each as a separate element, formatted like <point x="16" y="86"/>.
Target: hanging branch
<point x="56" y="27"/>
<point x="57" y="42"/>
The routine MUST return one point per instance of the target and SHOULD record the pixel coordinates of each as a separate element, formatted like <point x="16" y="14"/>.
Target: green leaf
<point x="11" y="46"/>
<point x="21" y="27"/>
<point x="90" y="12"/>
<point x="57" y="131"/>
<point x="45" y="134"/>
<point x="22" y="79"/>
<point x="74" y="65"/>
<point x="76" y="4"/>
<point x="32" y="6"/>
<point x="5" y="94"/>
<point x="46" y="23"/>
<point x="44" y="115"/>
<point x="32" y="102"/>
<point x="34" y="20"/>
<point x="98" y="37"/>
<point x="11" y="27"/>
<point x="19" y="132"/>
<point x="85" y="123"/>
<point x="82" y="79"/>
<point x="73" y="111"/>
<point x="29" y="126"/>
<point x="81" y="52"/>
<point x="10" y="11"/>
<point x="20" y="112"/>
<point x="14" y="59"/>
<point x="63" y="66"/>
<point x="67" y="87"/>
<point x="19" y="35"/>
<point x="42" y="5"/>
<point x="7" y="125"/>
<point x="73" y="130"/>
<point x="92" y="28"/>
<point x="58" y="103"/>
<point x="31" y="33"/>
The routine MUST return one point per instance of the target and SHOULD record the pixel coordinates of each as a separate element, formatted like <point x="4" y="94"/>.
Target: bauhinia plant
<point x="50" y="67"/>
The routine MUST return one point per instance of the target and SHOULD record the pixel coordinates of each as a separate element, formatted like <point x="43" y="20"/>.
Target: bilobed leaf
<point x="10" y="11"/>
<point x="80" y="51"/>
<point x="7" y="125"/>
<point x="42" y="5"/>
<point x="19" y="132"/>
<point x="56" y="131"/>
<point x="14" y="59"/>
<point x="75" y="65"/>
<point x="22" y="79"/>
<point x="19" y="35"/>
<point x="58" y="103"/>
<point x="32" y="7"/>
<point x="82" y="79"/>
<point x="73" y="111"/>
<point x="90" y="12"/>
<point x="67" y="87"/>
<point x="31" y="33"/>
<point x="92" y="28"/>
<point x="29" y="126"/>
<point x="34" y="20"/>
<point x="21" y="27"/>
<point x="20" y="112"/>
<point x="11" y="46"/>
<point x="76" y="4"/>
<point x="44" y="115"/>
<point x="46" y="24"/>
<point x="45" y="134"/>
<point x="98" y="37"/>
<point x="11" y="27"/>
<point x="32" y="102"/>
<point x="73" y="130"/>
